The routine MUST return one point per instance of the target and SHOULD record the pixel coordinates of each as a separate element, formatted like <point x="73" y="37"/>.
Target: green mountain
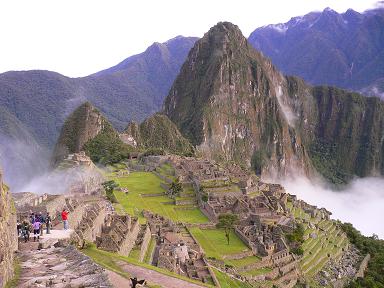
<point x="245" y="110"/>
<point x="157" y="132"/>
<point x="131" y="90"/>
<point x="86" y="129"/>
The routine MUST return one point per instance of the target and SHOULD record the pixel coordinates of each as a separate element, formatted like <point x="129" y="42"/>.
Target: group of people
<point x="36" y="224"/>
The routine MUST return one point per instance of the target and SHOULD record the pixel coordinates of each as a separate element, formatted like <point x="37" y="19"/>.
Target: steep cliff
<point x="157" y="132"/>
<point x="8" y="235"/>
<point x="233" y="104"/>
<point x="349" y="135"/>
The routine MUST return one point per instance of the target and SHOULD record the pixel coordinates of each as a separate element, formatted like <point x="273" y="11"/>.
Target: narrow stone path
<point x="156" y="277"/>
<point x="58" y="267"/>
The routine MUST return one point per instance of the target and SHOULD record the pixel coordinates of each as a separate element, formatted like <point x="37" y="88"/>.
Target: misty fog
<point x="21" y="161"/>
<point x="360" y="203"/>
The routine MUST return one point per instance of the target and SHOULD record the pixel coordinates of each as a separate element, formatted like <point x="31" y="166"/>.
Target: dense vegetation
<point x="158" y="133"/>
<point x="107" y="148"/>
<point x="348" y="135"/>
<point x="296" y="239"/>
<point x="374" y="275"/>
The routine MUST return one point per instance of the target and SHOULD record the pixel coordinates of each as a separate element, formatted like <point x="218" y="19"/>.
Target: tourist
<point x="32" y="218"/>
<point x="36" y="229"/>
<point x="64" y="217"/>
<point x="42" y="221"/>
<point x="18" y="227"/>
<point x="48" y="223"/>
<point x="25" y="231"/>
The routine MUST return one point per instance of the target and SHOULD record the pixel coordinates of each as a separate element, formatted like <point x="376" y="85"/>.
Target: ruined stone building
<point x="118" y="234"/>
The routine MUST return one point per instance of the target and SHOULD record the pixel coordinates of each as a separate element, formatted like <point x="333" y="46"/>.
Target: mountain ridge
<point x="328" y="48"/>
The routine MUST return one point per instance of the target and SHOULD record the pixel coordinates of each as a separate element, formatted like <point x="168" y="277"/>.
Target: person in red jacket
<point x="64" y="217"/>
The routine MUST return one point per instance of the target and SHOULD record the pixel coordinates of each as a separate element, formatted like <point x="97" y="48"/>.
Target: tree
<point x="109" y="186"/>
<point x="227" y="222"/>
<point x="175" y="189"/>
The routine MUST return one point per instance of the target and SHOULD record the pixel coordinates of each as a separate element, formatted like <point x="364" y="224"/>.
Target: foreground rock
<point x="8" y="237"/>
<point x="60" y="267"/>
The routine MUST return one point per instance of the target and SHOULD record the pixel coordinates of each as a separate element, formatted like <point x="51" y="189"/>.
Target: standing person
<point x="32" y="218"/>
<point x="42" y="221"/>
<point x="25" y="231"/>
<point x="18" y="227"/>
<point x="64" y="217"/>
<point x="36" y="229"/>
<point x="48" y="223"/>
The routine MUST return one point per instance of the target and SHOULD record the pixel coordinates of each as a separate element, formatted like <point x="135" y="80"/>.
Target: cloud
<point x="360" y="203"/>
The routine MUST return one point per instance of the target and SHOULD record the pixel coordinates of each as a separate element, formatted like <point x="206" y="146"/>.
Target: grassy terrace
<point x="166" y="170"/>
<point x="215" y="245"/>
<point x="140" y="183"/>
<point x="111" y="261"/>
<point x="316" y="250"/>
<point x="228" y="282"/>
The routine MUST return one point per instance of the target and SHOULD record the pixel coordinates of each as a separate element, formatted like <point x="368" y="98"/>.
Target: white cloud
<point x="360" y="203"/>
<point x="77" y="38"/>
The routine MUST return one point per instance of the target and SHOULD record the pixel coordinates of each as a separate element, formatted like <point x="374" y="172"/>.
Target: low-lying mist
<point x="360" y="203"/>
<point x="21" y="161"/>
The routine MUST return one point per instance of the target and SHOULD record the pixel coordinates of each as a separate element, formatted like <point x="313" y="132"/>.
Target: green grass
<point x="148" y="183"/>
<point x="166" y="170"/>
<point x="243" y="261"/>
<point x="135" y="253"/>
<point x="214" y="243"/>
<point x="228" y="282"/>
<point x="148" y="253"/>
<point x="109" y="261"/>
<point x="257" y="272"/>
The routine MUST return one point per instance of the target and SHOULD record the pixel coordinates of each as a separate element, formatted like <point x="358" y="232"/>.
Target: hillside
<point x="86" y="129"/>
<point x="246" y="111"/>
<point x="131" y="90"/>
<point x="328" y="48"/>
<point x="157" y="132"/>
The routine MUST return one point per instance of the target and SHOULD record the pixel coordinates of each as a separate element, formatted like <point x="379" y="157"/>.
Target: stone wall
<point x="129" y="241"/>
<point x="363" y="266"/>
<point x="8" y="235"/>
<point x="144" y="245"/>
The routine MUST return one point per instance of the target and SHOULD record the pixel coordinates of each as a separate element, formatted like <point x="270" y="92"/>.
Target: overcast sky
<point x="80" y="37"/>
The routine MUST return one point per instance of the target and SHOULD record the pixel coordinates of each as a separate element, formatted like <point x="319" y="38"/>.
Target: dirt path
<point x="156" y="277"/>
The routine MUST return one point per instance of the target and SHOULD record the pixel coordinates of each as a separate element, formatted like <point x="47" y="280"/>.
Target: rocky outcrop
<point x="84" y="124"/>
<point x="8" y="235"/>
<point x="157" y="132"/>
<point x="61" y="267"/>
<point x="233" y="104"/>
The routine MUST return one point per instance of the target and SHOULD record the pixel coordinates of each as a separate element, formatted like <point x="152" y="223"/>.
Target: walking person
<point x="48" y="223"/>
<point x="36" y="229"/>
<point x="64" y="217"/>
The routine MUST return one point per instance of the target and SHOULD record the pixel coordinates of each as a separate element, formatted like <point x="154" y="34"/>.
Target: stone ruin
<point x="118" y="234"/>
<point x="81" y="175"/>
<point x="177" y="251"/>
